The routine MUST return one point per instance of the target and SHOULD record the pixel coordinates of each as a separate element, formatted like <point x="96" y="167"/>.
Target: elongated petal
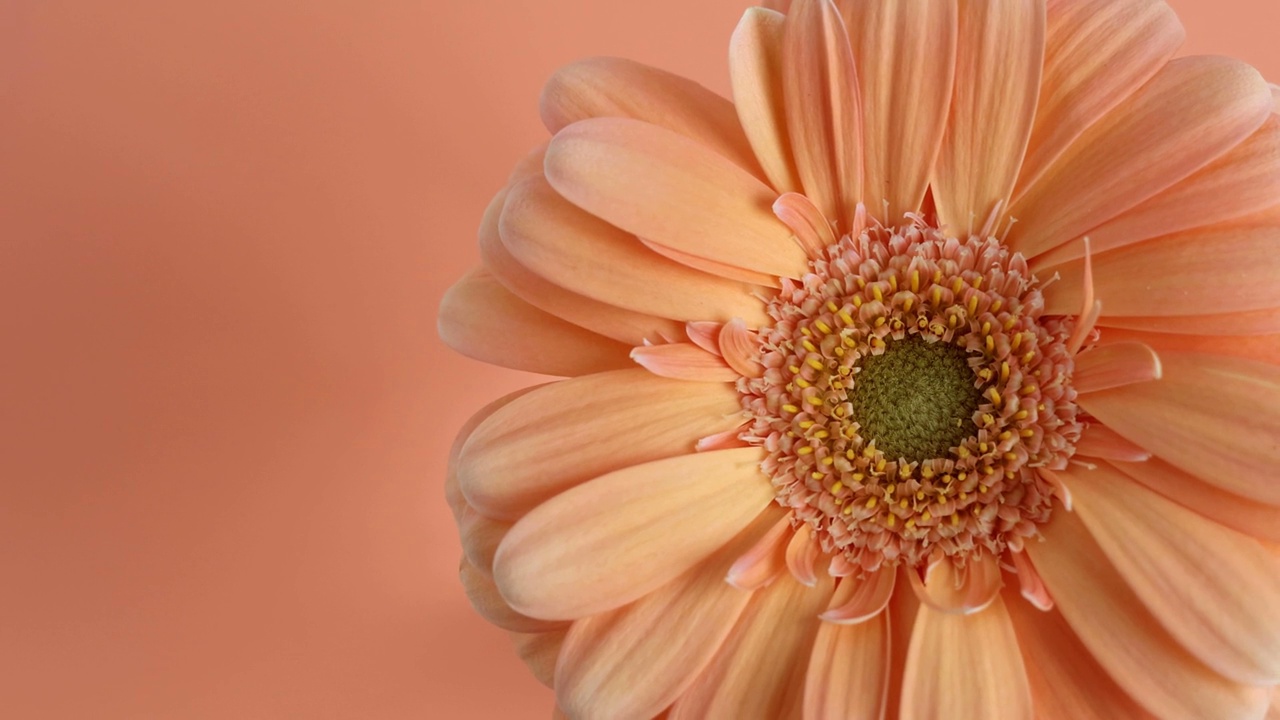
<point x="1192" y="111"/>
<point x="1066" y="682"/>
<point x="582" y="253"/>
<point x="1205" y="271"/>
<point x="1212" y="588"/>
<point x="487" y="601"/>
<point x="848" y="671"/>
<point x="812" y="230"/>
<point x="755" y="65"/>
<point x="1243" y="181"/>
<point x="741" y="349"/>
<point x="719" y="269"/>
<point x="1215" y="417"/>
<point x="1131" y="645"/>
<point x="1097" y="52"/>
<point x="1100" y="441"/>
<point x="760" y="670"/>
<point x="1265" y="348"/>
<point x="802" y="555"/>
<point x="901" y="44"/>
<point x="948" y="590"/>
<point x="565" y="433"/>
<point x="452" y="488"/>
<point x="675" y="191"/>
<point x="857" y="600"/>
<point x="1234" y="511"/>
<point x="824" y="116"/>
<point x="480" y="538"/>
<point x="999" y="58"/>
<point x="965" y="666"/>
<point x="764" y="561"/>
<point x="483" y="320"/>
<point x="684" y="361"/>
<point x="634" y="661"/>
<point x="610" y="541"/>
<point x="1254" y="322"/>
<point x="1115" y="365"/>
<point x="625" y="326"/>
<point x="614" y="87"/>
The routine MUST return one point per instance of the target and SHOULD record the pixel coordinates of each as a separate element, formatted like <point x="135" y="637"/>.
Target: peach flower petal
<point x="683" y="361"/>
<point x="1097" y="52"/>
<point x="480" y="538"/>
<point x="901" y="44"/>
<point x="965" y="666"/>
<point x="615" y="87"/>
<point x="1244" y="181"/>
<point x="631" y="663"/>
<point x="760" y="670"/>
<point x="1213" y="416"/>
<point x="903" y="609"/>
<point x="582" y="253"/>
<point x="1205" y="271"/>
<point x="812" y="230"/>
<point x="848" y="673"/>
<point x="1131" y="645"/>
<point x="857" y="600"/>
<point x="741" y="348"/>
<point x="674" y="191"/>
<point x="1254" y="322"/>
<point x="1066" y="682"/>
<point x="1030" y="585"/>
<point x="720" y="269"/>
<point x="802" y="556"/>
<point x="1115" y="365"/>
<point x="947" y="589"/>
<point x="1234" y="511"/>
<point x="764" y="561"/>
<point x="487" y="601"/>
<point x="755" y="66"/>
<point x="452" y="488"/>
<point x="625" y="326"/>
<point x="484" y="321"/>
<point x="1264" y="348"/>
<point x="1213" y="589"/>
<point x="539" y="651"/>
<point x="1192" y="111"/>
<point x="615" y="539"/>
<point x="1100" y="441"/>
<point x="999" y="59"/>
<point x="517" y="458"/>
<point x="824" y="117"/>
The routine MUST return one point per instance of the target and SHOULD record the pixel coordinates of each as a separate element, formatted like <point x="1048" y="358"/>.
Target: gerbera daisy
<point x="935" y="376"/>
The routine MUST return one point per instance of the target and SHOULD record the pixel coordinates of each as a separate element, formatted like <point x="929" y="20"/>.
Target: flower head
<point x="935" y="376"/>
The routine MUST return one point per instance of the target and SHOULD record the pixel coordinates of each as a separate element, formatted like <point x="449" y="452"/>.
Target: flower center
<point x="912" y="393"/>
<point x="916" y="400"/>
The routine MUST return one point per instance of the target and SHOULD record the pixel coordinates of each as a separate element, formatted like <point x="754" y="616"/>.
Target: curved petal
<point x="740" y="348"/>
<point x="540" y="651"/>
<point x="1254" y="322"/>
<point x="1192" y="111"/>
<point x="582" y="253"/>
<point x="1244" y="181"/>
<point x="715" y="268"/>
<point x="755" y="65"/>
<point x="614" y="87"/>
<point x="823" y="106"/>
<point x="1215" y="417"/>
<point x="848" y="671"/>
<point x="760" y="670"/>
<point x="1212" y="588"/>
<point x="1264" y="348"/>
<point x="674" y="191"/>
<point x="1115" y="365"/>
<point x="615" y="539"/>
<point x="625" y="326"/>
<point x="487" y="601"/>
<point x="634" y="661"/>
<point x="1130" y="645"/>
<point x="452" y="488"/>
<point x="1066" y="682"/>
<point x="567" y="432"/>
<point x="1100" y="441"/>
<point x="999" y="59"/>
<point x="684" y="361"/>
<point x="900" y="44"/>
<point x="965" y="666"/>
<point x="1097" y="52"/>
<point x="1205" y="271"/>
<point x="484" y="321"/>
<point x="764" y="561"/>
<point x="857" y="600"/>
<point x="480" y="538"/>
<point x="947" y="589"/>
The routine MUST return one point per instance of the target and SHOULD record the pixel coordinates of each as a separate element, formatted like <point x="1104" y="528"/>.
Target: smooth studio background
<point x="224" y="230"/>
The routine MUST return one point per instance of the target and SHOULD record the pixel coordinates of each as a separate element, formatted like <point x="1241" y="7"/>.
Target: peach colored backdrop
<point x="224" y="230"/>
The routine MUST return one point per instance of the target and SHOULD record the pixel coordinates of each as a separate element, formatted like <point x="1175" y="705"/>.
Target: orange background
<point x="224" y="230"/>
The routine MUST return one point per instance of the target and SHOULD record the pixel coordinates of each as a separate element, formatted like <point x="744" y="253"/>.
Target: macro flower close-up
<point x="935" y="375"/>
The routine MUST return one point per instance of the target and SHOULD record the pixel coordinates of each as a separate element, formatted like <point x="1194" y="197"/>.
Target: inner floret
<point x="916" y="400"/>
<point x="912" y="390"/>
